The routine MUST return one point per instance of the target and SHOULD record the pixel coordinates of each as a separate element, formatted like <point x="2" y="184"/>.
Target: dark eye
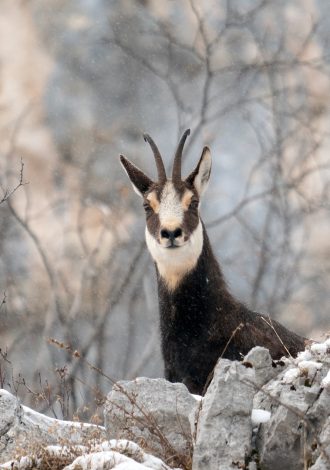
<point x="194" y="204"/>
<point x="147" y="208"/>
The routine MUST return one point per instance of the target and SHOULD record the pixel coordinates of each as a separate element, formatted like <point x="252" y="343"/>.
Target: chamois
<point x="199" y="318"/>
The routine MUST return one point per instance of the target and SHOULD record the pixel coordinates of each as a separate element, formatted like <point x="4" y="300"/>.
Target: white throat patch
<point x="174" y="263"/>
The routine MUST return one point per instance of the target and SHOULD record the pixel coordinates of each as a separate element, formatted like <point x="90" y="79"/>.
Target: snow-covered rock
<point x="299" y="403"/>
<point x="121" y="454"/>
<point x="22" y="428"/>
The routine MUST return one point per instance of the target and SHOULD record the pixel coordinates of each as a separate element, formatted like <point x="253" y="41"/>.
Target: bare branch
<point x="9" y="192"/>
<point x="4" y="299"/>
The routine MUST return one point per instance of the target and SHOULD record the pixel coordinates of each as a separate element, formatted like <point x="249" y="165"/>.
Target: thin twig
<point x="9" y="192"/>
<point x="4" y="299"/>
<point x="270" y="324"/>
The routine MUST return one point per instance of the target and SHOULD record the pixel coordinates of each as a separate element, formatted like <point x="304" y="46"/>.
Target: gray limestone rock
<point x="154" y="412"/>
<point x="265" y="367"/>
<point x="323" y="462"/>
<point x="22" y="429"/>
<point x="298" y="409"/>
<point x="9" y="408"/>
<point x="224" y="428"/>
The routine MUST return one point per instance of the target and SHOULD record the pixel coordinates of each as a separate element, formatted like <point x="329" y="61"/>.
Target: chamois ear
<point x="140" y="182"/>
<point x="201" y="174"/>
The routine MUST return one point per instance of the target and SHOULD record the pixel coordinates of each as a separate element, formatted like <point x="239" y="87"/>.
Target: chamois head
<point x="174" y="232"/>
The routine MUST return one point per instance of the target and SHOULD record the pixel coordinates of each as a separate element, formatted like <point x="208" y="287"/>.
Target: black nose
<point x="171" y="234"/>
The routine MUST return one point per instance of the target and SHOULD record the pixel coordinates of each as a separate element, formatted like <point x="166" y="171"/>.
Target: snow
<point x="198" y="397"/>
<point x="309" y="362"/>
<point x="5" y="392"/>
<point x="326" y="381"/>
<point x="291" y="375"/>
<point x="106" y="459"/>
<point x="309" y="368"/>
<point x="129" y="466"/>
<point x="41" y="418"/>
<point x="304" y="356"/>
<point x="319" y="348"/>
<point x="107" y="454"/>
<point x="125" y="446"/>
<point x="318" y="351"/>
<point x="23" y="463"/>
<point x="259" y="416"/>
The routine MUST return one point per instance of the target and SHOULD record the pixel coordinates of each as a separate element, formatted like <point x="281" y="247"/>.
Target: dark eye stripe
<point x="190" y="221"/>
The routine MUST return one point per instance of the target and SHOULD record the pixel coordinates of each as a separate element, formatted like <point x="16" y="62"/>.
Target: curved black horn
<point x="176" y="173"/>
<point x="159" y="161"/>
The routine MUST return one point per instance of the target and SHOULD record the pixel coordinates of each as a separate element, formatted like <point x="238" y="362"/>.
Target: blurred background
<point x="80" y="81"/>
